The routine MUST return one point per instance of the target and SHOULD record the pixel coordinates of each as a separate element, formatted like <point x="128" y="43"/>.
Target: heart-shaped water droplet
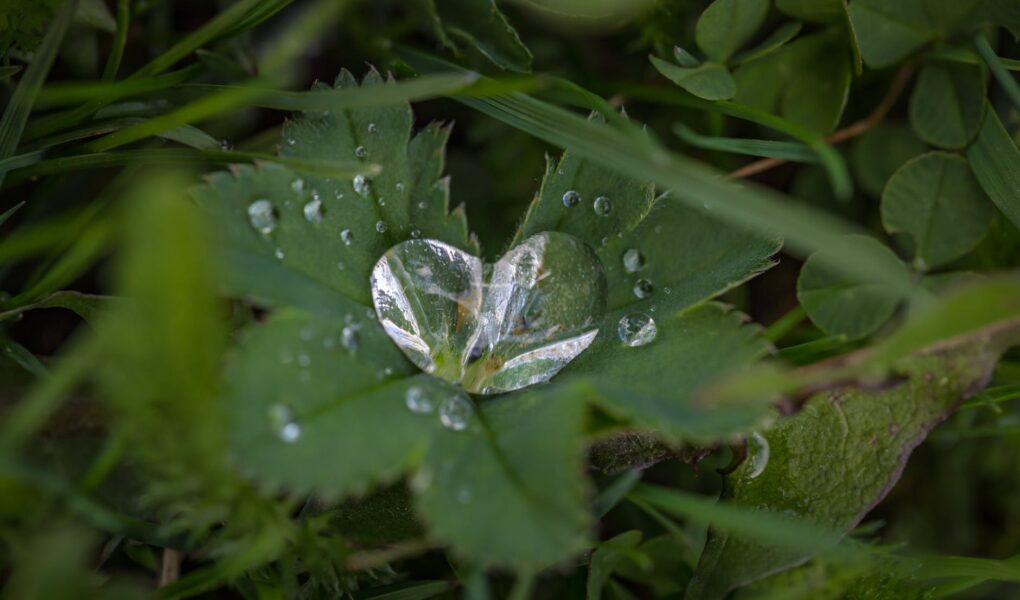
<point x="492" y="328"/>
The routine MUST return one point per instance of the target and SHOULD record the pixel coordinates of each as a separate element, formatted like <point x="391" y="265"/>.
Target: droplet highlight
<point x="637" y="330"/>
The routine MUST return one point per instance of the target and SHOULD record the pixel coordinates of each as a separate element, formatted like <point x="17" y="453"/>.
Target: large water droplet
<point x="284" y="424"/>
<point x="633" y="260"/>
<point x="346" y="236"/>
<point x="757" y="454"/>
<point x="571" y="199"/>
<point x="455" y="412"/>
<point x="262" y="216"/>
<point x="643" y="289"/>
<point x="637" y="330"/>
<point x="418" y="400"/>
<point x="533" y="315"/>
<point x="313" y="211"/>
<point x="603" y="206"/>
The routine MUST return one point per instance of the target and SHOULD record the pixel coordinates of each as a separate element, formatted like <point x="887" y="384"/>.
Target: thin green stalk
<point x="1008" y="83"/>
<point x="119" y="40"/>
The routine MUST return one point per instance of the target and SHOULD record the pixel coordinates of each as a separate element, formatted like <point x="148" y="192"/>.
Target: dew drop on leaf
<point x="373" y="128"/>
<point x="360" y="185"/>
<point x="633" y="260"/>
<point x="313" y="211"/>
<point x="381" y="201"/>
<point x="416" y="233"/>
<point x="360" y="152"/>
<point x="262" y="216"/>
<point x="298" y="185"/>
<point x="757" y="454"/>
<point x="571" y="199"/>
<point x="464" y="495"/>
<point x="603" y="206"/>
<point x="340" y="266"/>
<point x="418" y="400"/>
<point x="637" y="330"/>
<point x="381" y="226"/>
<point x="643" y="289"/>
<point x="278" y="253"/>
<point x="399" y="187"/>
<point x="346" y="236"/>
<point x="284" y="424"/>
<point x="455" y="412"/>
<point x="350" y="338"/>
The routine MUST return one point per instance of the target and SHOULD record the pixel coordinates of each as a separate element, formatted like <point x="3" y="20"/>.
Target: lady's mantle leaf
<point x="839" y="457"/>
<point x="481" y="26"/>
<point x="509" y="490"/>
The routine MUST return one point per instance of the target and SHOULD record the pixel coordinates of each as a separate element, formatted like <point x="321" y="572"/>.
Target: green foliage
<point x="847" y="306"/>
<point x="936" y="200"/>
<point x="304" y="378"/>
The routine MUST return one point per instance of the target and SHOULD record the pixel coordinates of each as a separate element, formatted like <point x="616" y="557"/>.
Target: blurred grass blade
<point x="7" y="214"/>
<point x="88" y="246"/>
<point x="231" y="97"/>
<point x="23" y="358"/>
<point x="766" y="527"/>
<point x="7" y="71"/>
<point x="1009" y="85"/>
<point x="87" y="306"/>
<point x="792" y="151"/>
<point x="995" y="160"/>
<point x="183" y="156"/>
<point x="70" y="93"/>
<point x="12" y="124"/>
<point x="119" y="40"/>
<point x="985" y="569"/>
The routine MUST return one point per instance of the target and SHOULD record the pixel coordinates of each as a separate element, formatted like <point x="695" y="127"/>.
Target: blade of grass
<point x="87" y="306"/>
<point x="232" y="97"/>
<point x="183" y="156"/>
<point x="792" y="151"/>
<point x="995" y="160"/>
<point x="15" y="116"/>
<point x="119" y="40"/>
<point x="1008" y="83"/>
<point x="70" y="93"/>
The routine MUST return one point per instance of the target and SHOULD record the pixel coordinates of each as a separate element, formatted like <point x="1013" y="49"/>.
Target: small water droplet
<point x="313" y="211"/>
<point x="226" y="146"/>
<point x="455" y="412"/>
<point x="423" y="205"/>
<point x="360" y="152"/>
<point x="381" y="201"/>
<point x="340" y="266"/>
<point x="416" y="233"/>
<point x="346" y="236"/>
<point x="278" y="253"/>
<point x="350" y="338"/>
<point x="381" y="226"/>
<point x="757" y="454"/>
<point x="399" y="187"/>
<point x="571" y="199"/>
<point x="643" y="288"/>
<point x="304" y="360"/>
<point x="338" y="194"/>
<point x="603" y="206"/>
<point x="262" y="216"/>
<point x="285" y="356"/>
<point x="418" y="401"/>
<point x="298" y="185"/>
<point x="633" y="260"/>
<point x="360" y="185"/>
<point x="373" y="128"/>
<point x="464" y="495"/>
<point x="283" y="422"/>
<point x="291" y="141"/>
<point x="637" y="330"/>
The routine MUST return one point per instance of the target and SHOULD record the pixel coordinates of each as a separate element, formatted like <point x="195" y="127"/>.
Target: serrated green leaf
<point x="300" y="390"/>
<point x="832" y="462"/>
<point x="710" y="81"/>
<point x="509" y="489"/>
<point x="324" y="235"/>
<point x="879" y="152"/>
<point x="726" y="25"/>
<point x="936" y="200"/>
<point x="995" y="160"/>
<point x="825" y="11"/>
<point x="947" y="103"/>
<point x="646" y="385"/>
<point x="840" y="305"/>
<point x="482" y="26"/>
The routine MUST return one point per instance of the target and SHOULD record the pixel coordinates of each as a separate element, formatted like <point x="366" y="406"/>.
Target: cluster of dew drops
<point x="635" y="329"/>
